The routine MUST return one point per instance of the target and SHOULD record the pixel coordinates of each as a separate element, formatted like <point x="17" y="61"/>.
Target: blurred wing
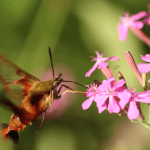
<point x="16" y="81"/>
<point x="12" y="106"/>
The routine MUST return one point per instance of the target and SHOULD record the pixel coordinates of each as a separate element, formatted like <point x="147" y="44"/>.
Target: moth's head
<point x="58" y="80"/>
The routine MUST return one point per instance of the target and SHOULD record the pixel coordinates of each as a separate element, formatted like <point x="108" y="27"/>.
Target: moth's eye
<point x="55" y="83"/>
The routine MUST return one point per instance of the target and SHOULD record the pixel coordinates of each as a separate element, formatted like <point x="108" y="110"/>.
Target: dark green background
<point x="73" y="30"/>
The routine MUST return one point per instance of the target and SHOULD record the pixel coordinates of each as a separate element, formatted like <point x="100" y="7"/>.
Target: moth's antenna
<point x="50" y="54"/>
<point x="75" y="83"/>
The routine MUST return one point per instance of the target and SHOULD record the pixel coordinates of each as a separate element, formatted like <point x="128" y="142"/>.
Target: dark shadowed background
<point x="74" y="30"/>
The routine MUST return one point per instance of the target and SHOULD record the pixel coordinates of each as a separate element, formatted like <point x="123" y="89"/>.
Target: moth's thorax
<point x="45" y="86"/>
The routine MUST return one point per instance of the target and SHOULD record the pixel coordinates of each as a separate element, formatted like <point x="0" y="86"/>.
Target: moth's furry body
<point x="36" y="96"/>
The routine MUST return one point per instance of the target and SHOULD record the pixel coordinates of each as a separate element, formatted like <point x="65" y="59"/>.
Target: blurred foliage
<point x="73" y="30"/>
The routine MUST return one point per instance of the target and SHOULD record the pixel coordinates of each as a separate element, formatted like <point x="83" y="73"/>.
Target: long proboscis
<point x="75" y="83"/>
<point x="50" y="54"/>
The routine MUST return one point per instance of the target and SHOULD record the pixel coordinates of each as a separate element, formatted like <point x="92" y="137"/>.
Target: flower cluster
<point x="115" y="96"/>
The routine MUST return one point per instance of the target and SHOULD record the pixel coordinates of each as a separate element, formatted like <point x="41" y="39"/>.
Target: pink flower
<point x="143" y="67"/>
<point x="92" y="93"/>
<point x="147" y="19"/>
<point x="111" y="95"/>
<point x="144" y="97"/>
<point x="128" y="21"/>
<point x="100" y="62"/>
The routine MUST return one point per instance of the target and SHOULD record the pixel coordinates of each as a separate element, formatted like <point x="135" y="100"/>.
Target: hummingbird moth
<point x="35" y="96"/>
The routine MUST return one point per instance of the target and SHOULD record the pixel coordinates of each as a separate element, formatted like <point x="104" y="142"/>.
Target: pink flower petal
<point x="143" y="68"/>
<point x="86" y="104"/>
<point x="122" y="31"/>
<point x="102" y="65"/>
<point x="113" y="107"/>
<point x="97" y="53"/>
<point x="146" y="21"/>
<point x="100" y="99"/>
<point x="133" y="112"/>
<point x="98" y="56"/>
<point x="124" y="98"/>
<point x="103" y="86"/>
<point x="111" y="82"/>
<point x="144" y="100"/>
<point x="91" y="70"/>
<point x="143" y="94"/>
<point x="137" y="24"/>
<point x="143" y="97"/>
<point x="120" y="83"/>
<point x="113" y="58"/>
<point x="102" y="108"/>
<point x="146" y="57"/>
<point x="138" y="15"/>
<point x="111" y="79"/>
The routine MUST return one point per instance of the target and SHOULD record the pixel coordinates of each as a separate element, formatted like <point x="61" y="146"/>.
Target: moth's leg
<point x="48" y="100"/>
<point x="49" y="103"/>
<point x="43" y="118"/>
<point x="56" y="93"/>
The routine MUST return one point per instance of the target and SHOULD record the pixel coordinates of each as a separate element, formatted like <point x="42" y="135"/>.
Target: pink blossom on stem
<point x="143" y="67"/>
<point x="133" y="111"/>
<point x="100" y="62"/>
<point x="92" y="93"/>
<point x="111" y="95"/>
<point x="128" y="21"/>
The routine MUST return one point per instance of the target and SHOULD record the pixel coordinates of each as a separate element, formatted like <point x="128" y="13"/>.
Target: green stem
<point x="149" y="114"/>
<point x="145" y="124"/>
